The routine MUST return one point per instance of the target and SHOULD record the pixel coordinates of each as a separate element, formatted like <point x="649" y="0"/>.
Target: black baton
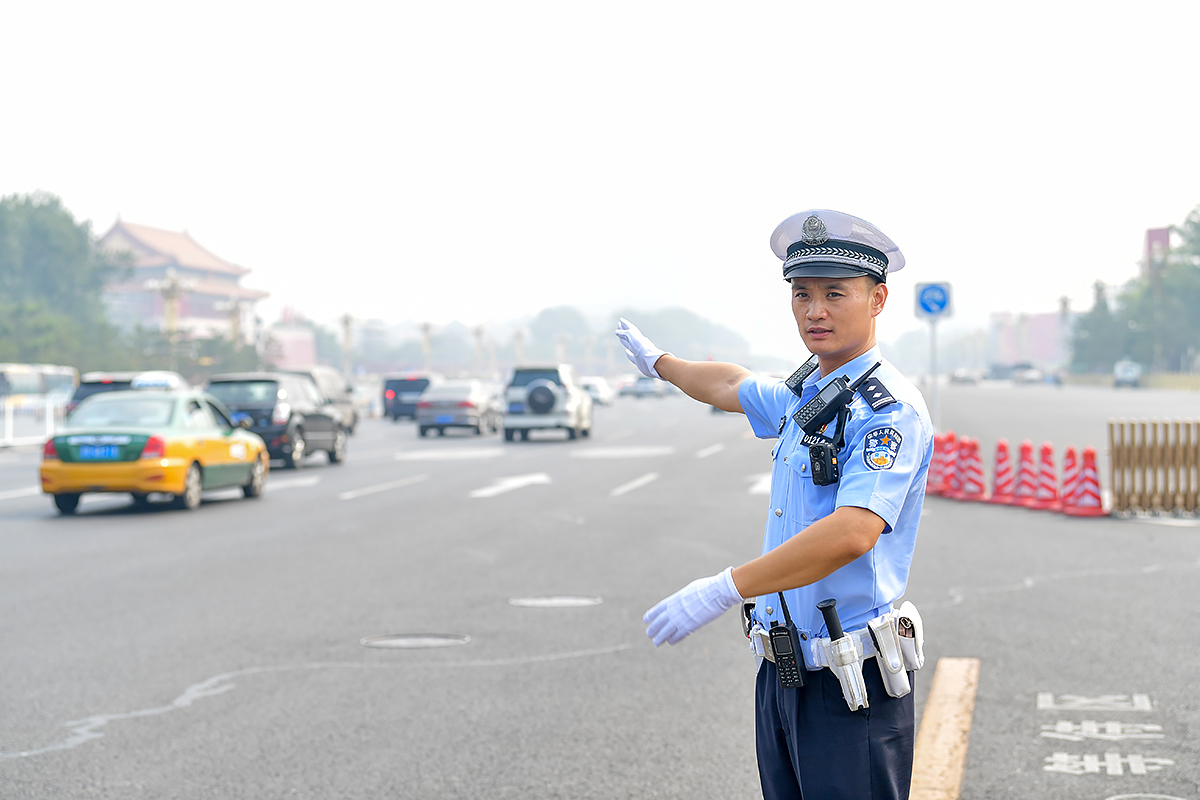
<point x="828" y="609"/>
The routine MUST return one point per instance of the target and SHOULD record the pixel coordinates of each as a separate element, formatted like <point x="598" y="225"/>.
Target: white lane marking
<point x="292" y="483"/>
<point x="760" y="484"/>
<point x="1046" y="701"/>
<point x="87" y="729"/>
<point x="636" y="483"/>
<point x="958" y="594"/>
<point x="381" y="487"/>
<point x="1169" y="522"/>
<point x="649" y="451"/>
<point x="503" y="485"/>
<point x="711" y="450"/>
<point x="371" y="453"/>
<point x="15" y="493"/>
<point x="450" y="455"/>
<point x="1110" y="730"/>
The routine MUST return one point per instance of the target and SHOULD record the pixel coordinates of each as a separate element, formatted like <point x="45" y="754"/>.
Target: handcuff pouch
<point x="885" y="634"/>
<point x="912" y="635"/>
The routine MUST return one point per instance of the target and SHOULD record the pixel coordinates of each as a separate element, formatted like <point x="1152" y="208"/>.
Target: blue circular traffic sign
<point x="933" y="299"/>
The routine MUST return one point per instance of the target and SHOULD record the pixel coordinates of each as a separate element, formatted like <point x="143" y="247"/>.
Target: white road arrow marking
<point x="648" y="451"/>
<point x="450" y="455"/>
<point x="381" y="487"/>
<point x="275" y="485"/>
<point x="636" y="483"/>
<point x="30" y="492"/>
<point x="503" y="485"/>
<point x="760" y="484"/>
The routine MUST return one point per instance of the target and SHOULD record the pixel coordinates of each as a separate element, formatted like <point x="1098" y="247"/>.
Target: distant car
<point x="177" y="442"/>
<point x="287" y="411"/>
<point x="649" y="387"/>
<point x="546" y="397"/>
<point x="337" y="391"/>
<point x="98" y="382"/>
<point x="401" y="393"/>
<point x="1127" y="373"/>
<point x="1029" y="375"/>
<point x="599" y="389"/>
<point x="624" y="385"/>
<point x="468" y="404"/>
<point x="964" y="376"/>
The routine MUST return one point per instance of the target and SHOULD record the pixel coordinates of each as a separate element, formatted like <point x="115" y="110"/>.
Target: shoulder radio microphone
<point x="821" y="410"/>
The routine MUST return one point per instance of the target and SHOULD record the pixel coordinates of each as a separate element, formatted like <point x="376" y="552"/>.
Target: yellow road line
<point x="941" y="749"/>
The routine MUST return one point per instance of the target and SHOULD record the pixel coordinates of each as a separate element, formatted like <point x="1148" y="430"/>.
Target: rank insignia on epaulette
<point x="875" y="393"/>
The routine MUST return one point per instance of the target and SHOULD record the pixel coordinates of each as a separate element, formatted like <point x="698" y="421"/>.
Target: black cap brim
<point x="825" y="271"/>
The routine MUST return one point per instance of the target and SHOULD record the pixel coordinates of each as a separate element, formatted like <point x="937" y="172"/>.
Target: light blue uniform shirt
<point x="883" y="468"/>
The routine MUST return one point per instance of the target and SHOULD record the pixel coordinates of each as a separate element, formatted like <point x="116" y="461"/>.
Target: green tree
<point x="1098" y="339"/>
<point x="1156" y="321"/>
<point x="689" y="335"/>
<point x="51" y="279"/>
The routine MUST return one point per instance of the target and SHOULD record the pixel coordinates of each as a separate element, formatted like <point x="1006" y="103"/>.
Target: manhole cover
<point x="554" y="602"/>
<point x="414" y="641"/>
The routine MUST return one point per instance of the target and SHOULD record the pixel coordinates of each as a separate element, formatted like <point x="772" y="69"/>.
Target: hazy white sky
<point x="480" y="161"/>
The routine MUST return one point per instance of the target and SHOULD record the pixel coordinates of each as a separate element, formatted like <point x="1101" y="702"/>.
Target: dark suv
<point x="286" y="410"/>
<point x="336" y="390"/>
<point x="402" y="392"/>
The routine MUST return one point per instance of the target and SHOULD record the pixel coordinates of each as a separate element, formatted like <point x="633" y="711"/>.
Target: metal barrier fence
<point x="30" y="421"/>
<point x="1155" y="465"/>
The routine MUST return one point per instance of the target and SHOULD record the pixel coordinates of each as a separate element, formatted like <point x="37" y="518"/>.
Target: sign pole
<point x="933" y="372"/>
<point x="933" y="303"/>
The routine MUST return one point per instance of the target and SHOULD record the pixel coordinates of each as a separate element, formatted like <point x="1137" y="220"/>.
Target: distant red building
<point x="212" y="301"/>
<point x="1042" y="340"/>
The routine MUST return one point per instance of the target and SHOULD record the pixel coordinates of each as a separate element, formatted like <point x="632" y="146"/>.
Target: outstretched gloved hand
<point x="640" y="350"/>
<point x="693" y="606"/>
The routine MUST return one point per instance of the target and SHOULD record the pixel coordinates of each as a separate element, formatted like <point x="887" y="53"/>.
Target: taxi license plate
<point x="516" y="408"/>
<point x="99" y="452"/>
<point x="445" y="418"/>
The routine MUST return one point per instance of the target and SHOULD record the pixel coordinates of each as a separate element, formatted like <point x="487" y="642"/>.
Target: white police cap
<point x="829" y="244"/>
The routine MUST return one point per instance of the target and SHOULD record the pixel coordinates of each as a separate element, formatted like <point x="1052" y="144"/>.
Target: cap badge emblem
<point x="814" y="231"/>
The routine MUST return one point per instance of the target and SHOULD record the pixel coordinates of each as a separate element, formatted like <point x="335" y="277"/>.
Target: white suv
<point x="540" y="397"/>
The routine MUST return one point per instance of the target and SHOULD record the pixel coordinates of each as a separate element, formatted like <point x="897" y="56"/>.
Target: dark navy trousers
<point x="811" y="745"/>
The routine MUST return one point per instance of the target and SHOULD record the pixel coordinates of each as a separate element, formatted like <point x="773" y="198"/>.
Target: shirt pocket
<point x="807" y="502"/>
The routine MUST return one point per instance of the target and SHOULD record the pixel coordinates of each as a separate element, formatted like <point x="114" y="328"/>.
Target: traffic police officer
<point x="848" y="731"/>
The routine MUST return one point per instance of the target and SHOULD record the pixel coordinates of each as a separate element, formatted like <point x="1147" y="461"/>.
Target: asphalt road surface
<point x="216" y="653"/>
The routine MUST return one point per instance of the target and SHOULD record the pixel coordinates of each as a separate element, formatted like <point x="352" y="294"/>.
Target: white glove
<point x="640" y="350"/>
<point x="697" y="604"/>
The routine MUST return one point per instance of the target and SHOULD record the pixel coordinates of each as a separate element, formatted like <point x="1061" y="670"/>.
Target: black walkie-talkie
<point x="788" y="662"/>
<point x="821" y="410"/>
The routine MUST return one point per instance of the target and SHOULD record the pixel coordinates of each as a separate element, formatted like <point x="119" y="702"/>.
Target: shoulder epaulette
<point x="875" y="393"/>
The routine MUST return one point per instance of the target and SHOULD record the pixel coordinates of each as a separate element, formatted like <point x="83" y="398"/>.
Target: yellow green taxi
<point x="177" y="442"/>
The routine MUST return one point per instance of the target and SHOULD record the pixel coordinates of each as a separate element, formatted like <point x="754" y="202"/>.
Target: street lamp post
<point x="172" y="289"/>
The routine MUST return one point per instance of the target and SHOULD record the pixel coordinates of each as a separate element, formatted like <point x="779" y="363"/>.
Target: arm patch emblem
<point x="881" y="448"/>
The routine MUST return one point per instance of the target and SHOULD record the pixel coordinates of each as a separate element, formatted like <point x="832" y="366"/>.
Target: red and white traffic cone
<point x="973" y="488"/>
<point x="1086" y="501"/>
<point x="957" y="464"/>
<point x="1046" y="497"/>
<point x="937" y="470"/>
<point x="1026" y="489"/>
<point x="1070" y="478"/>
<point x="1003" y="480"/>
<point x="945" y="456"/>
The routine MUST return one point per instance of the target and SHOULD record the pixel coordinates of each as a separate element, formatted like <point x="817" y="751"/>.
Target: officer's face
<point x="836" y="316"/>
